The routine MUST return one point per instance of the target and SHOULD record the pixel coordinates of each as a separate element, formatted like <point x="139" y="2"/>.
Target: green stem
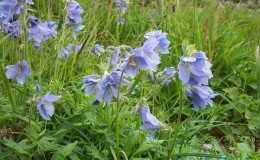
<point x="117" y="115"/>
<point x="8" y="90"/>
<point x="178" y="125"/>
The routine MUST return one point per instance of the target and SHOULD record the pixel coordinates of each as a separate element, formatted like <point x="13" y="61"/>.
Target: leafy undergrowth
<point x="228" y="34"/>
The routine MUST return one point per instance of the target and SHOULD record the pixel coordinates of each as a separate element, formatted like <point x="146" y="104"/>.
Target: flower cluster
<point x="73" y="17"/>
<point x="194" y="72"/>
<point x="122" y="5"/>
<point x="40" y="31"/>
<point x="146" y="57"/>
<point x="9" y="11"/>
<point x="106" y="88"/>
<point x="124" y="59"/>
<point x="14" y="29"/>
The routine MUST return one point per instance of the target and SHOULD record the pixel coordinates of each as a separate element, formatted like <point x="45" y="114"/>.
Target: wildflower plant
<point x="100" y="84"/>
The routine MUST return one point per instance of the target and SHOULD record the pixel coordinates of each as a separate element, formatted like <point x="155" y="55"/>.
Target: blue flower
<point x="201" y="96"/>
<point x="40" y="31"/>
<point x="150" y="137"/>
<point x="8" y="8"/>
<point x="150" y="122"/>
<point x="18" y="71"/>
<point x="160" y="36"/>
<point x="137" y="60"/>
<point x="45" y="105"/>
<point x="123" y="10"/>
<point x="194" y="70"/>
<point x="15" y="28"/>
<point x="167" y="74"/>
<point x="74" y="11"/>
<point x="148" y="48"/>
<point x="90" y="83"/>
<point x="108" y="88"/>
<point x="97" y="50"/>
<point x="29" y="1"/>
<point x="76" y="29"/>
<point x="120" y="21"/>
<point x="38" y="88"/>
<point x="114" y="62"/>
<point x="119" y="3"/>
<point x="71" y="48"/>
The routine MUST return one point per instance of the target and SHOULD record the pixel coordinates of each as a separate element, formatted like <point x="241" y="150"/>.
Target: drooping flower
<point x="90" y="83"/>
<point x="119" y="3"/>
<point x="150" y="122"/>
<point x="69" y="49"/>
<point x="40" y="31"/>
<point x="194" y="70"/>
<point x="8" y="8"/>
<point x="74" y="11"/>
<point x="29" y="1"/>
<point x="201" y="96"/>
<point x="114" y="61"/>
<point x="38" y="88"/>
<point x="167" y="74"/>
<point x="109" y="88"/>
<point x="120" y="21"/>
<point x="18" y="71"/>
<point x="64" y="53"/>
<point x="15" y="28"/>
<point x="97" y="50"/>
<point x="73" y="17"/>
<point x="123" y="10"/>
<point x="45" y="105"/>
<point x="148" y="48"/>
<point x="150" y="137"/>
<point x="76" y="29"/>
<point x="160" y="36"/>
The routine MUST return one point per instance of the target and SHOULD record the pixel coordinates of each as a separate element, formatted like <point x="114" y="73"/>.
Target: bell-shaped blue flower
<point x="109" y="88"/>
<point x="137" y="60"/>
<point x="70" y="49"/>
<point x="97" y="50"/>
<point x="90" y="83"/>
<point x="163" y="45"/>
<point x="40" y="31"/>
<point x="150" y="122"/>
<point x="74" y="11"/>
<point x="194" y="70"/>
<point x="18" y="71"/>
<point x="45" y="105"/>
<point x="201" y="96"/>
<point x="167" y="74"/>
<point x="15" y="28"/>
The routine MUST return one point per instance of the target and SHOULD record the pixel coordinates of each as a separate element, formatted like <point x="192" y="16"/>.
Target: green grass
<point x="228" y="33"/>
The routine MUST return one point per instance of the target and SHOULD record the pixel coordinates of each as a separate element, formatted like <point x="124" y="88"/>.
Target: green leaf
<point x="245" y="149"/>
<point x="21" y="147"/>
<point x="144" y="147"/>
<point x="64" y="151"/>
<point x="131" y="140"/>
